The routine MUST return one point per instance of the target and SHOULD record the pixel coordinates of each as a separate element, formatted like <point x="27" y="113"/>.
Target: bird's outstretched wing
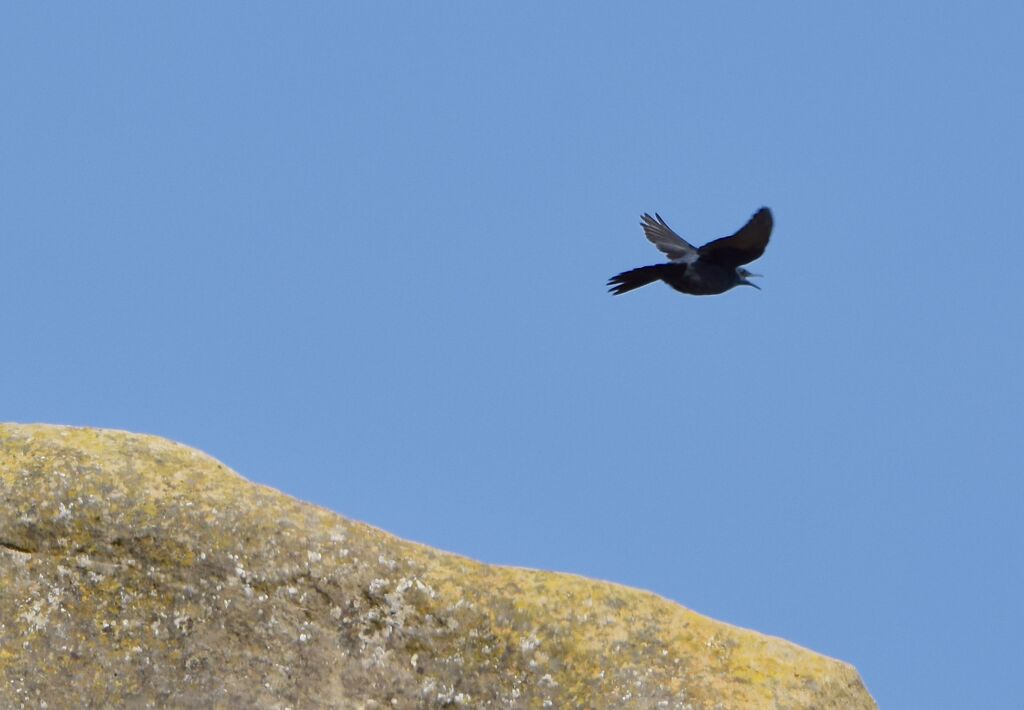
<point x="668" y="242"/>
<point x="743" y="247"/>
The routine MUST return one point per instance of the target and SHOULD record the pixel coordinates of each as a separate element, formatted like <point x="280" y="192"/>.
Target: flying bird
<point x="713" y="268"/>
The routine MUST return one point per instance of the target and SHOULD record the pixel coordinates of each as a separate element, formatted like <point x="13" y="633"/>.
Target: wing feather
<point x="668" y="242"/>
<point x="742" y="247"/>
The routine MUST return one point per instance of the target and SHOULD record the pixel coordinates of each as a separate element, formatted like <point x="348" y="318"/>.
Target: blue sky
<point x="357" y="251"/>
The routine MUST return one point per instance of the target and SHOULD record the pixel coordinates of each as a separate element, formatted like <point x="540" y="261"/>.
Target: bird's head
<point x="743" y="275"/>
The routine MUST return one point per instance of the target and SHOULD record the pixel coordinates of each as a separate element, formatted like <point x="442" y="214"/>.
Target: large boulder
<point x="136" y="572"/>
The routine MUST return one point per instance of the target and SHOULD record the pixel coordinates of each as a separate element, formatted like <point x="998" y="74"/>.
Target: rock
<point x="136" y="572"/>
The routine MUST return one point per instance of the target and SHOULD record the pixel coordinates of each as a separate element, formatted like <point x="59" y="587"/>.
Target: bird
<point x="711" y="269"/>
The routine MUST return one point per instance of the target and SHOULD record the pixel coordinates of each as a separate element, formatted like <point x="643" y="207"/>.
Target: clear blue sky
<point x="357" y="251"/>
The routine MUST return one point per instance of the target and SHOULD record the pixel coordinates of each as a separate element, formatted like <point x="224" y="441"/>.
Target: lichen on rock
<point x="136" y="572"/>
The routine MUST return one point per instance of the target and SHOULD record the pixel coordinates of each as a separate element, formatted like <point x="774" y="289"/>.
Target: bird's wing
<point x="667" y="241"/>
<point x="744" y="246"/>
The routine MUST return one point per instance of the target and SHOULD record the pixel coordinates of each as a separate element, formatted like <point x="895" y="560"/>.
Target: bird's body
<point x="711" y="269"/>
<point x="708" y="280"/>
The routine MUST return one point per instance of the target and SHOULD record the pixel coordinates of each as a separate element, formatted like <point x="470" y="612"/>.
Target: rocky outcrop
<point x="135" y="572"/>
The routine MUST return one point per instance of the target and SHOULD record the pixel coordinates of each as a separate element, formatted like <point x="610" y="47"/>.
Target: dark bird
<point x="713" y="268"/>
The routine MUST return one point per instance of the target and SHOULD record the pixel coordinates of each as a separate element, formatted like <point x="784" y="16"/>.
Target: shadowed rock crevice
<point x="137" y="572"/>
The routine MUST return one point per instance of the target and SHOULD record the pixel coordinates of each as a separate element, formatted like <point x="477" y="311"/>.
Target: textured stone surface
<point x="135" y="572"/>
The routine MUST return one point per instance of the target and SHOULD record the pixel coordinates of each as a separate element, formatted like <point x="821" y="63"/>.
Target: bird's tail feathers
<point x="635" y="278"/>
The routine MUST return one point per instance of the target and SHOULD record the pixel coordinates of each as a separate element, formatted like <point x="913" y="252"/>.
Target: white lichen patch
<point x="183" y="623"/>
<point x="379" y="658"/>
<point x="35" y="617"/>
<point x="527" y="644"/>
<point x="64" y="511"/>
<point x="444" y="694"/>
<point x="417" y="584"/>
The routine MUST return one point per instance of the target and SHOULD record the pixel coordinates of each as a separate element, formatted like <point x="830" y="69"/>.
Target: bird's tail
<point x="634" y="278"/>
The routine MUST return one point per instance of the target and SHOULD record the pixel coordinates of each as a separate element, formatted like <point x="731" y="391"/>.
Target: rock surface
<point x="135" y="572"/>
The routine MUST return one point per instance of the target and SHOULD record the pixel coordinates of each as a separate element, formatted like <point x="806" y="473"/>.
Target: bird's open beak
<point x="751" y="283"/>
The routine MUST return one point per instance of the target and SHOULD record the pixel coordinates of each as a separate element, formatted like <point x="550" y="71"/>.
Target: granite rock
<point x="136" y="572"/>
